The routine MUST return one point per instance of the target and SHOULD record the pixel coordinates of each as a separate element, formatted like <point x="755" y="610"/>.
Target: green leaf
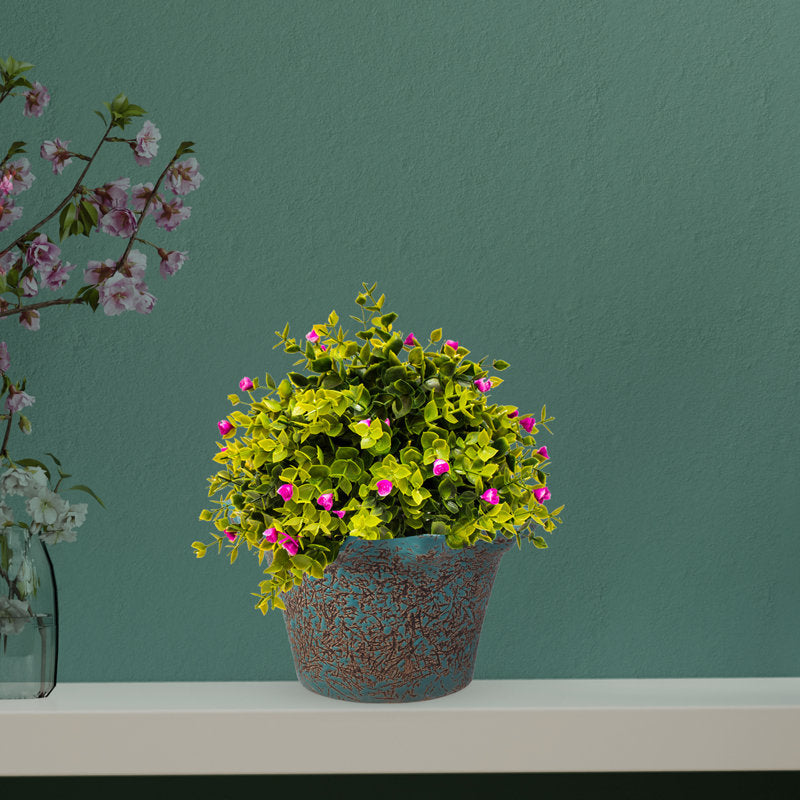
<point x="81" y="488"/>
<point x="500" y="365"/>
<point x="435" y="335"/>
<point x="66" y="220"/>
<point x="58" y="463"/>
<point x="186" y="147"/>
<point x="32" y="462"/>
<point x="101" y="117"/>
<point x="431" y="413"/>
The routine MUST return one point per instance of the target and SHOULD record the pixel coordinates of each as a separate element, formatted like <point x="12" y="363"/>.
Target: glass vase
<point x="28" y="616"/>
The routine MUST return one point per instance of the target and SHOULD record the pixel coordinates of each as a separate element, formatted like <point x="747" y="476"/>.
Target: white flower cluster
<point x="53" y="518"/>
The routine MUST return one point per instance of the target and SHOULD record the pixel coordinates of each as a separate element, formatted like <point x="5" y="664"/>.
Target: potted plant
<point x="381" y="486"/>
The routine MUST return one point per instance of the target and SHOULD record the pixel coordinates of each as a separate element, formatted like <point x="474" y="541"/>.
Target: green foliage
<point x="122" y="112"/>
<point x="361" y="411"/>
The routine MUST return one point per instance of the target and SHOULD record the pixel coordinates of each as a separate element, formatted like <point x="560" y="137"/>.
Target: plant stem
<point x="3" y="451"/>
<point x="66" y="199"/>
<point x="63" y="301"/>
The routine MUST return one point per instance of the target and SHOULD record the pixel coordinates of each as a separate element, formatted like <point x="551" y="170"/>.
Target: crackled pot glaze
<point x="393" y="620"/>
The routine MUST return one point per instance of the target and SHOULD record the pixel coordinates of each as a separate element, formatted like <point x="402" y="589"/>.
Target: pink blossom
<point x="29" y="319"/>
<point x="140" y="194"/>
<point x="171" y="262"/>
<point x="323" y="347"/>
<point x="491" y="496"/>
<point x="245" y="384"/>
<point x="290" y="546"/>
<point x="118" y="222"/>
<point x="42" y="253"/>
<point x="29" y="286"/>
<point x="387" y="423"/>
<point x="146" y="147"/>
<point x="19" y="173"/>
<point x="231" y="535"/>
<point x="169" y="215"/>
<point x="17" y="400"/>
<point x="110" y="195"/>
<point x="35" y="100"/>
<point x="134" y="267"/>
<point x="340" y="513"/>
<point x="4" y="361"/>
<point x="541" y="494"/>
<point x="55" y="277"/>
<point x="10" y="260"/>
<point x="409" y="340"/>
<point x="117" y="294"/>
<point x="224" y="426"/>
<point x="543" y="451"/>
<point x="440" y="466"/>
<point x="367" y="421"/>
<point x="484" y="384"/>
<point x="384" y="487"/>
<point x="183" y="177"/>
<point x="6" y="185"/>
<point x="312" y="336"/>
<point x="9" y="213"/>
<point x="514" y="413"/>
<point x="99" y="271"/>
<point x="286" y="491"/>
<point x="452" y="343"/>
<point x="271" y="534"/>
<point x="326" y="501"/>
<point x="223" y="449"/>
<point x="143" y="301"/>
<point x="527" y="423"/>
<point x="56" y="152"/>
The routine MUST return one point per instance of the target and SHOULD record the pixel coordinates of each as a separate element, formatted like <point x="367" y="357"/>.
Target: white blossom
<point x="28" y="481"/>
<point x="46" y="507"/>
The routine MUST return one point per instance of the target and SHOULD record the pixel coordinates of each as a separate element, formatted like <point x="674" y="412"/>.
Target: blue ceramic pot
<point x="393" y="620"/>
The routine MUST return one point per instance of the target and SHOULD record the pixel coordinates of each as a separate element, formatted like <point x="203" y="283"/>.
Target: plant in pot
<point x="381" y="487"/>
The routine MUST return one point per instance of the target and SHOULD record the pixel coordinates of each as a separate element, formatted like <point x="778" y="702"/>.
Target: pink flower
<point x="19" y="173"/>
<point x="183" y="177"/>
<point x="245" y="384"/>
<point x="387" y="423"/>
<point x="339" y="513"/>
<point x="140" y="194"/>
<point x="484" y="384"/>
<point x="118" y="294"/>
<point x="326" y="501"/>
<point x="29" y="286"/>
<point x="286" y="491"/>
<point x="42" y="253"/>
<point x="271" y="534"/>
<point x="146" y="147"/>
<point x="452" y="343"/>
<point x="6" y="185"/>
<point x="18" y="400"/>
<point x="171" y="262"/>
<point x="99" y="271"/>
<point x="231" y="535"/>
<point x="118" y="222"/>
<point x="169" y="215"/>
<point x="491" y="496"/>
<point x="543" y="451"/>
<point x="541" y="494"/>
<point x="384" y="487"/>
<point x="440" y="466"/>
<point x="56" y="152"/>
<point x="55" y="277"/>
<point x="364" y="421"/>
<point x="409" y="340"/>
<point x="312" y="336"/>
<point x="514" y="413"/>
<point x="224" y="426"/>
<point x="35" y="100"/>
<point x="323" y="347"/>
<point x="110" y="195"/>
<point x="29" y="319"/>
<point x="134" y="266"/>
<point x="527" y="423"/>
<point x="4" y="362"/>
<point x="223" y="449"/>
<point x="11" y="260"/>
<point x="290" y="546"/>
<point x="9" y="213"/>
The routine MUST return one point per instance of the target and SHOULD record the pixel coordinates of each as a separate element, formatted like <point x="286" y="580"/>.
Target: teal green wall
<point x="607" y="195"/>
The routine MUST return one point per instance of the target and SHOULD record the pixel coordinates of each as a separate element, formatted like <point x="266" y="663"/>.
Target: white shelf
<point x="491" y="726"/>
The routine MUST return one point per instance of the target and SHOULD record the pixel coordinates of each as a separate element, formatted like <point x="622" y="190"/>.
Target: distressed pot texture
<point x="393" y="620"/>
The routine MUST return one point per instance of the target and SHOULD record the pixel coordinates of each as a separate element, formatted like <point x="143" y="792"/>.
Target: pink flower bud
<point x="514" y="413"/>
<point x="245" y="384"/>
<point x="527" y="423"/>
<point x="324" y="347"/>
<point x="452" y="343"/>
<point x="384" y="487"/>
<point x="312" y="336"/>
<point x="543" y="451"/>
<point x="286" y="491"/>
<point x="409" y="340"/>
<point x="484" y="384"/>
<point x="326" y="501"/>
<point x="231" y="535"/>
<point x="541" y="494"/>
<point x="223" y="449"/>
<point x="388" y="424"/>
<point x="339" y="513"/>
<point x="224" y="426"/>
<point x="290" y="546"/>
<point x="491" y="496"/>
<point x="271" y="534"/>
<point x="364" y="422"/>
<point x="440" y="466"/>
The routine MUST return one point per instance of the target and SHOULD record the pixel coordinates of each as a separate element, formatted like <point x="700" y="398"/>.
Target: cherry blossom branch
<point x="62" y="301"/>
<point x="69" y="197"/>
<point x="3" y="450"/>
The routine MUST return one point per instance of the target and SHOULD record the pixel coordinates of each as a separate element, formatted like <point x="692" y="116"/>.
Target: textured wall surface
<point x="607" y="195"/>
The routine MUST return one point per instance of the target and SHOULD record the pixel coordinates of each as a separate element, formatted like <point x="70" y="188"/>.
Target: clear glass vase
<point x="28" y="617"/>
